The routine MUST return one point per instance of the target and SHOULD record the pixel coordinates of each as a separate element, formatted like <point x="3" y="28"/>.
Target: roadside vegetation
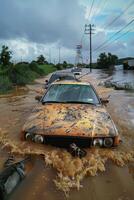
<point x="107" y="60"/>
<point x="104" y="61"/>
<point x="22" y="73"/>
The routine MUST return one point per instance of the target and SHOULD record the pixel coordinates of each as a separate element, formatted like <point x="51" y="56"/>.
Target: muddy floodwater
<point x="104" y="174"/>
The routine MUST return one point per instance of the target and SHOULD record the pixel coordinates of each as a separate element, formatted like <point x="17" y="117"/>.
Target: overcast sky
<point x="34" y="27"/>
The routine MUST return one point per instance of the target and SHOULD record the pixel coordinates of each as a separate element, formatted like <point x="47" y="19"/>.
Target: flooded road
<point x="114" y="168"/>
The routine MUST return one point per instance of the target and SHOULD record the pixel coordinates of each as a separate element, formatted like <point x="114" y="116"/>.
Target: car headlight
<point x="108" y="142"/>
<point x="39" y="139"/>
<point x="29" y="136"/>
<point x="97" y="142"/>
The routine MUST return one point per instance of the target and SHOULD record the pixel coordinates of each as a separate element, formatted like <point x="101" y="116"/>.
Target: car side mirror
<point x="38" y="98"/>
<point x="104" y="101"/>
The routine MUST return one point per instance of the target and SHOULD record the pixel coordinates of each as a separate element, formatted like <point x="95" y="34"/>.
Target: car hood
<point x="70" y="120"/>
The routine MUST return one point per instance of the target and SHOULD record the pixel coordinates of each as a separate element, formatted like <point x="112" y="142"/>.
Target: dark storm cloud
<point x="42" y="21"/>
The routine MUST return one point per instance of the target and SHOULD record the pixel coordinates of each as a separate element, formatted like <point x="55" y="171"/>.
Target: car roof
<point x="68" y="82"/>
<point x="63" y="74"/>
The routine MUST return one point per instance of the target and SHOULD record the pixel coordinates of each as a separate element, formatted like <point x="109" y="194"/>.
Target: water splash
<point x="70" y="171"/>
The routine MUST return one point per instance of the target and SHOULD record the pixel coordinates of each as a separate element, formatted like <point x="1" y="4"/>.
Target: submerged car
<point x="71" y="112"/>
<point x="59" y="76"/>
<point x="76" y="71"/>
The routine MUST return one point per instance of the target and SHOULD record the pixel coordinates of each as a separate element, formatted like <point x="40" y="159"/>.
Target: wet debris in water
<point x="76" y="151"/>
<point x="9" y="161"/>
<point x="11" y="176"/>
<point x="70" y="170"/>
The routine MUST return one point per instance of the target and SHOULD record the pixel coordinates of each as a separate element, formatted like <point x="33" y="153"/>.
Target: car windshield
<point x="60" y="76"/>
<point x="76" y="69"/>
<point x="71" y="93"/>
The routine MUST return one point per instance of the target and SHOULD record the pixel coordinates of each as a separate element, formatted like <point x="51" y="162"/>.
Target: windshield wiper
<point x="82" y="102"/>
<point x="51" y="102"/>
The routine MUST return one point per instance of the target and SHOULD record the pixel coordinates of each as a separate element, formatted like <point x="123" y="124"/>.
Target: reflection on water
<point x="118" y="74"/>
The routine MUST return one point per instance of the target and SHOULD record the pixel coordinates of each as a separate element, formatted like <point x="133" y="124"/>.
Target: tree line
<point x="6" y="56"/>
<point x="104" y="60"/>
<point x="23" y="72"/>
<point x="107" y="60"/>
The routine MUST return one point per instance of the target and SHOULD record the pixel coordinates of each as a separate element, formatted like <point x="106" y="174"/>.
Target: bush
<point x="35" y="67"/>
<point x="22" y="74"/>
<point x="47" y="69"/>
<point x="5" y="84"/>
<point x="23" y="62"/>
<point x="59" y="66"/>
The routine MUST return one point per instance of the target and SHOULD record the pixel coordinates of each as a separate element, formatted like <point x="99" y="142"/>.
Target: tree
<point x="64" y="64"/>
<point x="34" y="67"/>
<point x="41" y="60"/>
<point x="59" y="66"/>
<point x="105" y="60"/>
<point x="5" y="56"/>
<point x="113" y="59"/>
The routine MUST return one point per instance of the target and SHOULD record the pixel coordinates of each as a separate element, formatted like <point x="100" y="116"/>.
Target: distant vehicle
<point x="128" y="64"/>
<point x="71" y="112"/>
<point x="59" y="76"/>
<point x="76" y="71"/>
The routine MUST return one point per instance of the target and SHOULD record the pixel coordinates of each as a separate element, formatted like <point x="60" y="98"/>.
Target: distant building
<point x="128" y="64"/>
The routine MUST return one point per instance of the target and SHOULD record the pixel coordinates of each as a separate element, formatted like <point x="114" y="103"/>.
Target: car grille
<point x="65" y="141"/>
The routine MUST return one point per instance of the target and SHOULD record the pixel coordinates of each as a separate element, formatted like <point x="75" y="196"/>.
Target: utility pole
<point x="88" y="30"/>
<point x="59" y="55"/>
<point x="79" y="57"/>
<point x="50" y="55"/>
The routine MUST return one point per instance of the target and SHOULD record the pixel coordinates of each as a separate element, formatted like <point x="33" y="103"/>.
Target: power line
<point x="122" y="13"/>
<point x="104" y="5"/>
<point x="91" y="8"/>
<point x="106" y="41"/>
<point x="118" y="37"/>
<point x="116" y="18"/>
<point x="81" y="41"/>
<point x="90" y="11"/>
<point x="123" y="34"/>
<point x="97" y="8"/>
<point x="101" y="7"/>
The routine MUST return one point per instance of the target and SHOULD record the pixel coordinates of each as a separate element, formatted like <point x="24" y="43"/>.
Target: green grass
<point x="47" y="69"/>
<point x="22" y="74"/>
<point x="5" y="84"/>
